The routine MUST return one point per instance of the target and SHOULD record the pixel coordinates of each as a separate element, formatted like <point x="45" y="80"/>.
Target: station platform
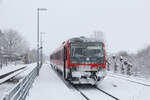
<point x="48" y="86"/>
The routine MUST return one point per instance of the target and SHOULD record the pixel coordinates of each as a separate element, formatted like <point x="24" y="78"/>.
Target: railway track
<point x="84" y="95"/>
<point x="125" y="78"/>
<point x="80" y="89"/>
<point x="107" y="93"/>
<point x="89" y="92"/>
<point x="8" y="75"/>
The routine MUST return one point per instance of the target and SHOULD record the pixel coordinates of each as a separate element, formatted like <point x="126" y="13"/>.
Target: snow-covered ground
<point x="49" y="86"/>
<point x="131" y="78"/>
<point x="29" y="68"/>
<point x="7" y="86"/>
<point x="10" y="68"/>
<point x="125" y="90"/>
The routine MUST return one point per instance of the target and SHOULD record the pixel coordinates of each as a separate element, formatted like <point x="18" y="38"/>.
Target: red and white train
<point x="80" y="60"/>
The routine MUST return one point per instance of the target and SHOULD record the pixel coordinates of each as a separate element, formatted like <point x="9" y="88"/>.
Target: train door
<point x="64" y="61"/>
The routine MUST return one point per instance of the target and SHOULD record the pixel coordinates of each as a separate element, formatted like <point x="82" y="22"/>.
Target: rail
<point x="20" y="91"/>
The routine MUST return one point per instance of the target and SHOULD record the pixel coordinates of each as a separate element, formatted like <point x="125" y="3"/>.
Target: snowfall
<point x="49" y="86"/>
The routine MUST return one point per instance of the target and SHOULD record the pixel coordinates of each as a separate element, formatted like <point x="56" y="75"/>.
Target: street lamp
<point x="38" y="28"/>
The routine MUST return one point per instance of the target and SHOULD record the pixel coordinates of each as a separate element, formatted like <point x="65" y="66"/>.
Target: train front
<point x="87" y="62"/>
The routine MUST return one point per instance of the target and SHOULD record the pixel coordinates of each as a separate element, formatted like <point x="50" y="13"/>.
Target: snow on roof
<point x="84" y="39"/>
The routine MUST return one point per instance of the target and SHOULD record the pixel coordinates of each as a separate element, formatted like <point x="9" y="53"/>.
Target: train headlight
<point x="75" y="68"/>
<point x="99" y="68"/>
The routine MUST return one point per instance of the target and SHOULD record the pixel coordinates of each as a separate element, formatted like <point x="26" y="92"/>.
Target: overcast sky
<point x="126" y="23"/>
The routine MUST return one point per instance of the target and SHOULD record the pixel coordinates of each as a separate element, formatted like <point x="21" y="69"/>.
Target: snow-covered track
<point x="85" y="96"/>
<point x="94" y="93"/>
<point x="6" y="76"/>
<point x="2" y="75"/>
<point x="130" y="80"/>
<point x="106" y="93"/>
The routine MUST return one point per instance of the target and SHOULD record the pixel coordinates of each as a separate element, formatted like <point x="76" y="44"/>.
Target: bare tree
<point x="12" y="43"/>
<point x="140" y="61"/>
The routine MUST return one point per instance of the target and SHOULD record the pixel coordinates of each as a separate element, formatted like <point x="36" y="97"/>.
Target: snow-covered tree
<point x="140" y="61"/>
<point x="12" y="43"/>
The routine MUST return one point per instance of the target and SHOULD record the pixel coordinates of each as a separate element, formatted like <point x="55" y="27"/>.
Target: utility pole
<point x="38" y="42"/>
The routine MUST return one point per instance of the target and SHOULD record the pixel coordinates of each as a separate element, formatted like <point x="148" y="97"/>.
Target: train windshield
<point x="87" y="52"/>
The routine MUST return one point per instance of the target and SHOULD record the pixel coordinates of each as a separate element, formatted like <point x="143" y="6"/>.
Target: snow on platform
<point x="48" y="86"/>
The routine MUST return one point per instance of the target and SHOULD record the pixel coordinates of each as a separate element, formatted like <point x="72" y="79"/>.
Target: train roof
<point x="84" y="39"/>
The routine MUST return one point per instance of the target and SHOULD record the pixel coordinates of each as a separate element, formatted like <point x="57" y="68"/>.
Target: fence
<point x="20" y="91"/>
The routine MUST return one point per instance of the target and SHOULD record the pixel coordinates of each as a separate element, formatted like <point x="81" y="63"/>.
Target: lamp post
<point x="38" y="31"/>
